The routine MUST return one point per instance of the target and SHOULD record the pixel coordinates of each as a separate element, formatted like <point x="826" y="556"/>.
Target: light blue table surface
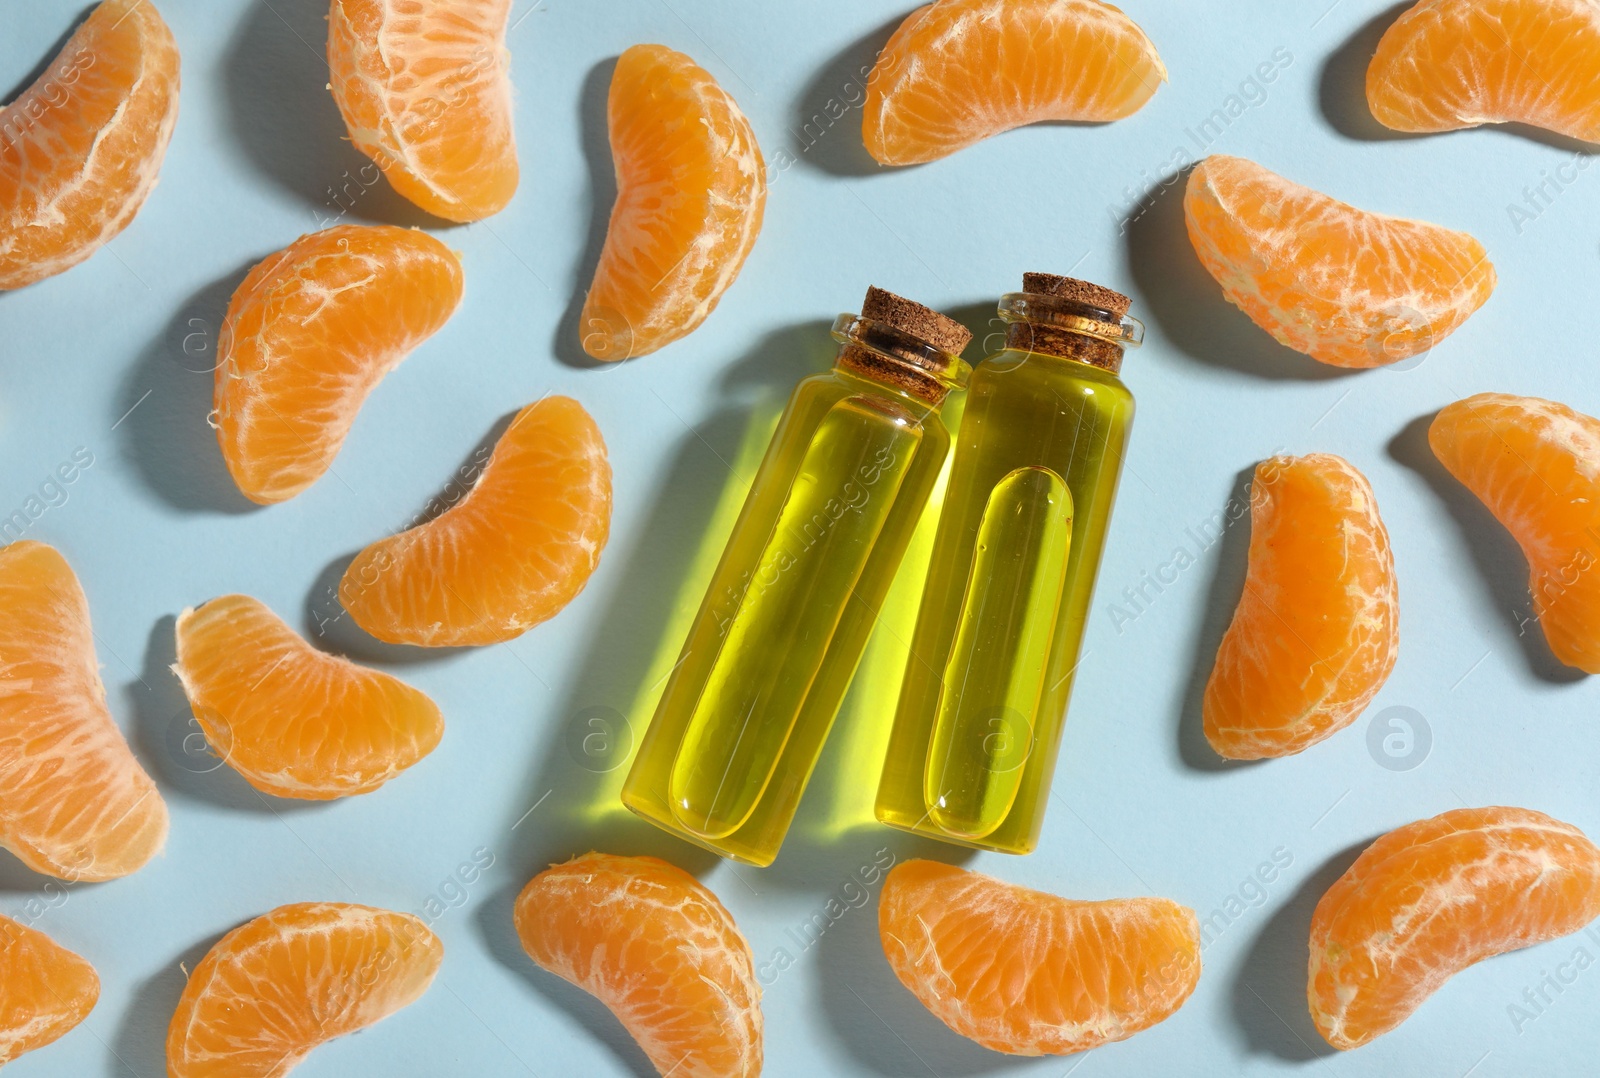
<point x="112" y="357"/>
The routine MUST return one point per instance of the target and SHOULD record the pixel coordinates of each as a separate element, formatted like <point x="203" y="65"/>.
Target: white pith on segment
<point x="48" y="989"/>
<point x="425" y="90"/>
<point x="1321" y="506"/>
<point x="515" y="550"/>
<point x="74" y="802"/>
<point x="1343" y="285"/>
<point x="309" y="334"/>
<point x="1536" y="465"/>
<point x="63" y="198"/>
<point x="1449" y="64"/>
<point x="656" y="947"/>
<point x="296" y="722"/>
<point x="347" y="967"/>
<point x="959" y="71"/>
<point x="690" y="199"/>
<point x="1428" y="899"/>
<point x="1029" y="973"/>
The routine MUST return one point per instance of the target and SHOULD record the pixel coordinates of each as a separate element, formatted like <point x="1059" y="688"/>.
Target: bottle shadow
<point x="827" y="115"/>
<point x="140" y="1039"/>
<point x="164" y="406"/>
<point x="571" y="803"/>
<point x="1188" y="305"/>
<point x="1222" y="599"/>
<point x="595" y="133"/>
<point x="600" y="723"/>
<point x="1268" y="997"/>
<point x="173" y="745"/>
<point x="285" y="121"/>
<point x="1498" y="558"/>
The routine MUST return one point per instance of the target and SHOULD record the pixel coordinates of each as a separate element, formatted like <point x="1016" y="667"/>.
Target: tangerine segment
<point x="77" y="805"/>
<point x="273" y="989"/>
<point x="425" y="91"/>
<point x="1317" y="629"/>
<point x="1030" y="973"/>
<point x="308" y="334"/>
<point x="1449" y="64"/>
<point x="48" y="989"/>
<point x="958" y="71"/>
<point x="1536" y="465"/>
<point x="293" y="721"/>
<point x="1429" y="899"/>
<point x="80" y="149"/>
<point x="511" y="554"/>
<point x="656" y="947"/>
<point x="1346" y="287"/>
<point x="691" y="190"/>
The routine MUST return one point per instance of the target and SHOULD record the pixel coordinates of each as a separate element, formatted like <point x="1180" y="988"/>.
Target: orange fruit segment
<point x="77" y="804"/>
<point x="293" y="721"/>
<point x="48" y="989"/>
<point x="1448" y="64"/>
<point x="81" y="148"/>
<point x="1429" y="899"/>
<point x="1346" y="287"/>
<point x="273" y="989"/>
<point x="1029" y="973"/>
<point x="308" y="334"/>
<point x="425" y="91"/>
<point x="656" y="947"/>
<point x="1317" y="629"/>
<point x="691" y="189"/>
<point x="1536" y="465"/>
<point x="511" y="554"/>
<point x="958" y="71"/>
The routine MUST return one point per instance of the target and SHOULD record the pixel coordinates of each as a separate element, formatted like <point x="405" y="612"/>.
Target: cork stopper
<point x="902" y="344"/>
<point x="942" y="332"/>
<point x="1076" y="327"/>
<point x="1086" y="292"/>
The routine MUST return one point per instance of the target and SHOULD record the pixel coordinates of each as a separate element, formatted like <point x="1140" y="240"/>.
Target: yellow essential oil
<point x="770" y="654"/>
<point x="1024" y="520"/>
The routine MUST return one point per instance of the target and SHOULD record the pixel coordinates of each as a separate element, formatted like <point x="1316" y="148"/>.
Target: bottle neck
<point x="898" y="361"/>
<point x="1052" y="326"/>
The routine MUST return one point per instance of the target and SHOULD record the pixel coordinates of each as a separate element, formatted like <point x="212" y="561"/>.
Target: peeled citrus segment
<point x="691" y="190"/>
<point x="1317" y="629"/>
<point x="511" y="554"/>
<point x="80" y="149"/>
<point x="958" y="71"/>
<point x="47" y="989"/>
<point x="1536" y="465"/>
<point x="77" y="805"/>
<point x="293" y="721"/>
<point x="1344" y="286"/>
<point x="1449" y="64"/>
<point x="273" y="989"/>
<point x="1030" y="973"/>
<point x="651" y="943"/>
<point x="308" y="334"/>
<point x="1429" y="899"/>
<point x="425" y="90"/>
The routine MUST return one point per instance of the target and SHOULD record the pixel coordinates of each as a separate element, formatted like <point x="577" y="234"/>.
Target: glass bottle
<point x="744" y="714"/>
<point x="1035" y="471"/>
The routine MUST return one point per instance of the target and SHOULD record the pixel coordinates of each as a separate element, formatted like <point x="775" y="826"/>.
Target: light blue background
<point x="1140" y="807"/>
